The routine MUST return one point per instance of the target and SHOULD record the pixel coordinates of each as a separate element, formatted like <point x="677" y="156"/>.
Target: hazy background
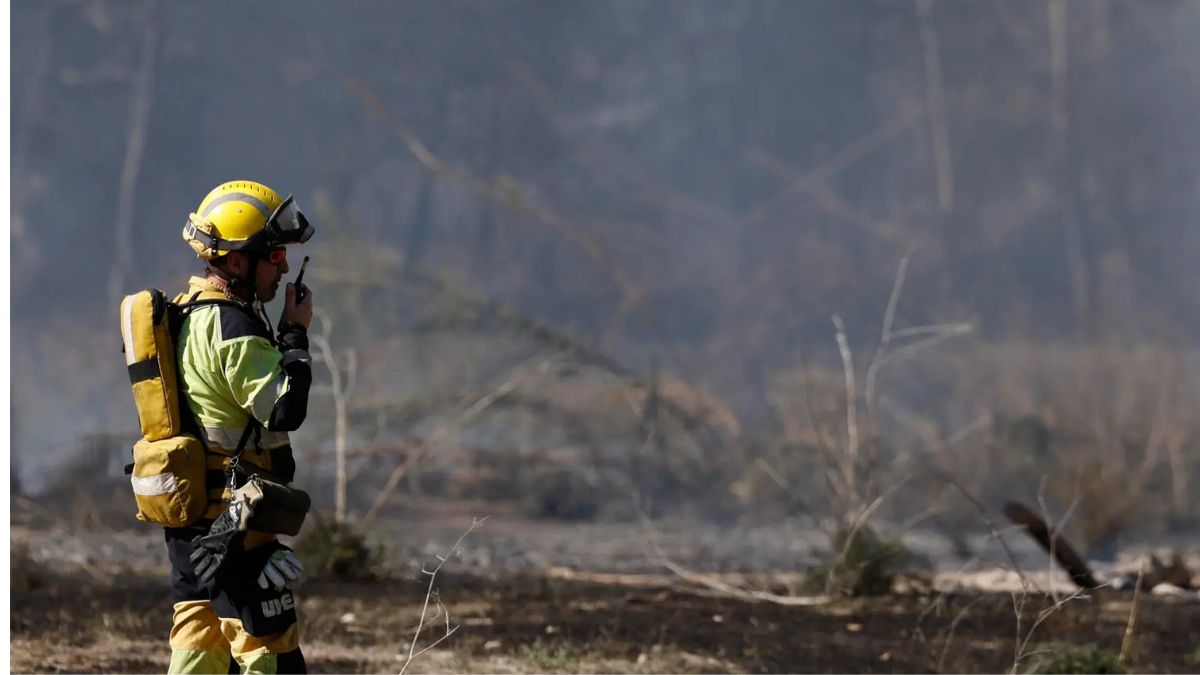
<point x="689" y="189"/>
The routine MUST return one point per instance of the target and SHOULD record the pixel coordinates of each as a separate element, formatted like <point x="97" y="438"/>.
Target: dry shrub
<point x="88" y="489"/>
<point x="1102" y="433"/>
<point x="330" y="549"/>
<point x="863" y="563"/>
<point x="1064" y="657"/>
<point x="565" y="494"/>
<point x="807" y="460"/>
<point x="1099" y="431"/>
<point x="26" y="573"/>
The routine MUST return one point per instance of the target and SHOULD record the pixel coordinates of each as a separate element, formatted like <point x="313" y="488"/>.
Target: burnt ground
<point x="532" y="596"/>
<point x="521" y="623"/>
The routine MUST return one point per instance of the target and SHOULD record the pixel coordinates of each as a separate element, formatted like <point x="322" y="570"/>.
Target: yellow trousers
<point x="202" y="642"/>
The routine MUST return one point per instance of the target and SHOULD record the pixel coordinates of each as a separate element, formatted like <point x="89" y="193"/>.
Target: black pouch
<point x="262" y="611"/>
<point x="184" y="583"/>
<point x="277" y="508"/>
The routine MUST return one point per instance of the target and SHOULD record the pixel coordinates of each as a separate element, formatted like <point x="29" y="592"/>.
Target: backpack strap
<point x="252" y="426"/>
<point x="192" y="304"/>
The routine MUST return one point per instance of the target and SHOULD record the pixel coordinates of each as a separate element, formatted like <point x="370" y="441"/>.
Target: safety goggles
<point x="287" y="225"/>
<point x="276" y="255"/>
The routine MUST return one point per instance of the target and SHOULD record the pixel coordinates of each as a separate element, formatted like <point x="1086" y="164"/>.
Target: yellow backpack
<point x="168" y="469"/>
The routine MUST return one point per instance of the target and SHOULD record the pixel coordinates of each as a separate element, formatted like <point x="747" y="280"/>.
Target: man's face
<point x="268" y="276"/>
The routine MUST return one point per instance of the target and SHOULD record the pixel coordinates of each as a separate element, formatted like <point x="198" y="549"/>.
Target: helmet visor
<point x="287" y="225"/>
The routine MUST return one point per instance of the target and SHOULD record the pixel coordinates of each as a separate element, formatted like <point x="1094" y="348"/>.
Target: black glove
<point x="292" y="335"/>
<point x="225" y="537"/>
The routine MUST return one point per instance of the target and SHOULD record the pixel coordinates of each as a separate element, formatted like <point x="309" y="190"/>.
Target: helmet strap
<point x="231" y="285"/>
<point x="251" y="275"/>
<point x="250" y="280"/>
<point x="221" y="280"/>
<point x="228" y="283"/>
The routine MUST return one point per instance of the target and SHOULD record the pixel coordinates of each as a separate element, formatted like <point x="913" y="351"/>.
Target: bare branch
<point x="941" y="664"/>
<point x="943" y="476"/>
<point x="431" y="593"/>
<point x="935" y="104"/>
<point x="508" y="193"/>
<point x="1131" y="625"/>
<point x="441" y="433"/>
<point x="885" y="340"/>
<point x="139" y="122"/>
<point x="1023" y="645"/>
<point x="341" y="396"/>
<point x="813" y="179"/>
<point x="850" y="463"/>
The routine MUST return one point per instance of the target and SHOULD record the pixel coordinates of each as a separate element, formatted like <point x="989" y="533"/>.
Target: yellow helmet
<point x="243" y="215"/>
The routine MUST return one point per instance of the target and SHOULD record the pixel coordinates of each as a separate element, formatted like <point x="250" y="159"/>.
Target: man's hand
<point x="296" y="312"/>
<point x="281" y="569"/>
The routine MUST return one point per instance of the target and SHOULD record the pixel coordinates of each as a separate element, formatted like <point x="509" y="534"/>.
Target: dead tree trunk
<point x="1053" y="542"/>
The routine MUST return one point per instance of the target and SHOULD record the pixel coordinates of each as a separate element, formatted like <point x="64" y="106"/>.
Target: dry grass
<point x="1064" y="657"/>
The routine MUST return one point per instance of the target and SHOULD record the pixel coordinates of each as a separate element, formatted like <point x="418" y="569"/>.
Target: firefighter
<point x="246" y="387"/>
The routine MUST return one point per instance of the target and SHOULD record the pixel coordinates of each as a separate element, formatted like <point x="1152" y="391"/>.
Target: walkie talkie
<point x="300" y="280"/>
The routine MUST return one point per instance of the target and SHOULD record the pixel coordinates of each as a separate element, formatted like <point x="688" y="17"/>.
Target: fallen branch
<point x="721" y="588"/>
<point x="749" y="595"/>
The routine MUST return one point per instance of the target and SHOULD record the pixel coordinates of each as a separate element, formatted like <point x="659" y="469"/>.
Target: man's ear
<point x="235" y="264"/>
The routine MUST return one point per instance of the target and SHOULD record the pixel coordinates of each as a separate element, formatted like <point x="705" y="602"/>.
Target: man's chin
<point x="269" y="295"/>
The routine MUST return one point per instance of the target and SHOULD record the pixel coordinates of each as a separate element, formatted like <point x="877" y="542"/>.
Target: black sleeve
<point x="291" y="408"/>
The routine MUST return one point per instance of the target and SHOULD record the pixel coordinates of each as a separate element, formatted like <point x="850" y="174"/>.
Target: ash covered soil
<point x="539" y="596"/>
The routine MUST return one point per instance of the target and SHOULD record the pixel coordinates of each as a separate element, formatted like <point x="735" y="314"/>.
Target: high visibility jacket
<point x="232" y="369"/>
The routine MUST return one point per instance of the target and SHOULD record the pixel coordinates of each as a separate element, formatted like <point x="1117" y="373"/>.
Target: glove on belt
<point x="225" y="537"/>
<point x="260" y="505"/>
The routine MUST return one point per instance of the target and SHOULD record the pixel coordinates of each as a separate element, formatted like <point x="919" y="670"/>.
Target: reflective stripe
<point x="238" y="197"/>
<point x="149" y="486"/>
<point x="228" y="438"/>
<point x="127" y="329"/>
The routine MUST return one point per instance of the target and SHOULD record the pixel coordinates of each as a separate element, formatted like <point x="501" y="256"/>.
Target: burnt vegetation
<point x="880" y="268"/>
